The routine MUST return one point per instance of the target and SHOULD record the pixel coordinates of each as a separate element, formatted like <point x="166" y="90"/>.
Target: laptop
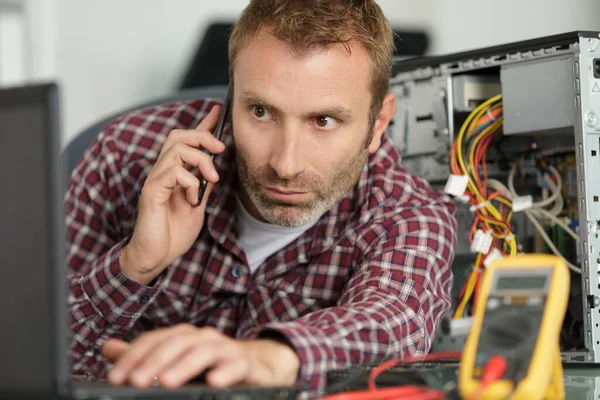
<point x="34" y="333"/>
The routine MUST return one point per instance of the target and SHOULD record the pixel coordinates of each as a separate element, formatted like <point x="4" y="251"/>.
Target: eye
<point x="326" y="123"/>
<point x="261" y="113"/>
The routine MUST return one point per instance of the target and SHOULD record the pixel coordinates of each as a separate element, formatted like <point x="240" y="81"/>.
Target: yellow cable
<point x="475" y="116"/>
<point x="470" y="130"/>
<point x="488" y="209"/>
<point x="459" y="312"/>
<point x="477" y="112"/>
<point x="504" y="201"/>
<point x="492" y="128"/>
<point x="467" y="295"/>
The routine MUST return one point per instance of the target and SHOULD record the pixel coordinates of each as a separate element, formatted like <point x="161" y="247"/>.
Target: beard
<point x="324" y="192"/>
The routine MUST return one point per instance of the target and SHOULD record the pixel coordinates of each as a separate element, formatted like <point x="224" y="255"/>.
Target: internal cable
<point x="493" y="211"/>
<point x="532" y="216"/>
<point x="548" y="241"/>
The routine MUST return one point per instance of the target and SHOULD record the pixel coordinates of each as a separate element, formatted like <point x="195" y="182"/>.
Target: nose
<point x="287" y="158"/>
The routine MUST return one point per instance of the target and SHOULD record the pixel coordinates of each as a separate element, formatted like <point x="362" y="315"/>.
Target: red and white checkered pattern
<point x="369" y="282"/>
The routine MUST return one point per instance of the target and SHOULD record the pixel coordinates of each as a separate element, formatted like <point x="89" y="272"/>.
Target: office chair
<point x="75" y="149"/>
<point x="210" y="63"/>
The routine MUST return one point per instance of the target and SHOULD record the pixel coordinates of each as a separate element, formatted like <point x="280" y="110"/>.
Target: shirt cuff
<point x="113" y="295"/>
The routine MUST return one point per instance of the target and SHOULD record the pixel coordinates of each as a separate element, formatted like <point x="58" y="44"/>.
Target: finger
<point x="137" y="350"/>
<point x="112" y="349"/>
<point x="210" y="121"/>
<point x="198" y="139"/>
<point x="161" y="188"/>
<point x="184" y="155"/>
<point x="192" y="364"/>
<point x="161" y="356"/>
<point x="170" y="350"/>
<point x="229" y="373"/>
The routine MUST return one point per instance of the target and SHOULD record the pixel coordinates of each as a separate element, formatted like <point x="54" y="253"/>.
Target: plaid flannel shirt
<point x="368" y="282"/>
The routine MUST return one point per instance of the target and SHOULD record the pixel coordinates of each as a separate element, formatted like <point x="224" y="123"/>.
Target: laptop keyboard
<point x="104" y="391"/>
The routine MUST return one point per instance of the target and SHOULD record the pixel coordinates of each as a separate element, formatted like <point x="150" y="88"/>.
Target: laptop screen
<point x="29" y="230"/>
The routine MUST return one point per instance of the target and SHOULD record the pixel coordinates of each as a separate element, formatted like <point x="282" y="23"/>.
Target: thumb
<point x="113" y="349"/>
<point x="210" y="120"/>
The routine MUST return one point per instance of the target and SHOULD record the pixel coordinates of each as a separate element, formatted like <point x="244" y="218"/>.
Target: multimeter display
<point x="513" y="316"/>
<point x="523" y="283"/>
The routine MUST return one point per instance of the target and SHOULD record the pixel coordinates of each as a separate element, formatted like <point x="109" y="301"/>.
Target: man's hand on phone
<point x="177" y="354"/>
<point x="169" y="218"/>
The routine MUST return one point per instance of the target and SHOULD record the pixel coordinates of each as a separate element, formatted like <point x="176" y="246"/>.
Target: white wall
<point x="117" y="53"/>
<point x="27" y="41"/>
<point x="114" y="53"/>
<point x="13" y="44"/>
<point x="467" y="24"/>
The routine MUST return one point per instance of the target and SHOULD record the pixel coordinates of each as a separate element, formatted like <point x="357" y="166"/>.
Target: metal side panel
<point x="587" y="140"/>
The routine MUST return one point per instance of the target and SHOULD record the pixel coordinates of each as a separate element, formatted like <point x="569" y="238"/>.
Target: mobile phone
<point x="217" y="133"/>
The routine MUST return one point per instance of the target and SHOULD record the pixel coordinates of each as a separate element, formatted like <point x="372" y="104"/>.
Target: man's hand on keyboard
<point x="178" y="354"/>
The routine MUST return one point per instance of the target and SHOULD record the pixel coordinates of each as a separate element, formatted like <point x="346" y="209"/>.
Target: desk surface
<point x="582" y="382"/>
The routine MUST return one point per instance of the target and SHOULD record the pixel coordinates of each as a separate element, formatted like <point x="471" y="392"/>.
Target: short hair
<point x="307" y="25"/>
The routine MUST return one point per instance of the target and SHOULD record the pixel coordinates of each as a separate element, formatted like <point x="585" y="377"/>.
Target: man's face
<point x="300" y="127"/>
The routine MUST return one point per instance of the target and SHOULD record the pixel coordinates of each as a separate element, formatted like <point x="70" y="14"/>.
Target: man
<point x="312" y="249"/>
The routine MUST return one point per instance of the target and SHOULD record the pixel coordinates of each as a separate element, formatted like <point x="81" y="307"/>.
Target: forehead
<point x="271" y="67"/>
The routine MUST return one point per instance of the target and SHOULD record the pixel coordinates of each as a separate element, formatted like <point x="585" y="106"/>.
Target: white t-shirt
<point x="260" y="239"/>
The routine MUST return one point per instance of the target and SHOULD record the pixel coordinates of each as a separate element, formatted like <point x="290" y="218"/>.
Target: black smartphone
<point x="217" y="133"/>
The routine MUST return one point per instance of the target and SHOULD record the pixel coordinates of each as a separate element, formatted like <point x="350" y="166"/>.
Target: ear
<point x="388" y="107"/>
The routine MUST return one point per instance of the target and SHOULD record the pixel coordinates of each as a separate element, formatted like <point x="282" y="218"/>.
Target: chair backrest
<point x="210" y="64"/>
<point x="75" y="149"/>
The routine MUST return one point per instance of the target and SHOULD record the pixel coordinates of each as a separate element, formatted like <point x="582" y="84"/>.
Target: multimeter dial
<point x="512" y="320"/>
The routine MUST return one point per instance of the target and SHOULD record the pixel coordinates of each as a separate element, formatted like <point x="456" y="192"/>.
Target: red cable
<point x="410" y="359"/>
<point x="410" y="392"/>
<point x="480" y="158"/>
<point x="493" y="370"/>
<point x="477" y="162"/>
<point x="473" y="228"/>
<point x="484" y="158"/>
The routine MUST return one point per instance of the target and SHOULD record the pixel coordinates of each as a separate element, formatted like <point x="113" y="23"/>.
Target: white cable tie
<point x="478" y="206"/>
<point x="456" y="185"/>
<point x="509" y="237"/>
<point x="494" y="255"/>
<point x="522" y="203"/>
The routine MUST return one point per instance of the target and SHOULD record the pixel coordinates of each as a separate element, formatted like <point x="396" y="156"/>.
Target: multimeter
<point x="519" y="314"/>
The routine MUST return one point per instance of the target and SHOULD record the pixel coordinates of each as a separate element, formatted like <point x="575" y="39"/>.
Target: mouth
<point x="286" y="195"/>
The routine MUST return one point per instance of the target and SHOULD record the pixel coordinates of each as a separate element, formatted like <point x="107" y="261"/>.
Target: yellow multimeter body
<point x="519" y="313"/>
